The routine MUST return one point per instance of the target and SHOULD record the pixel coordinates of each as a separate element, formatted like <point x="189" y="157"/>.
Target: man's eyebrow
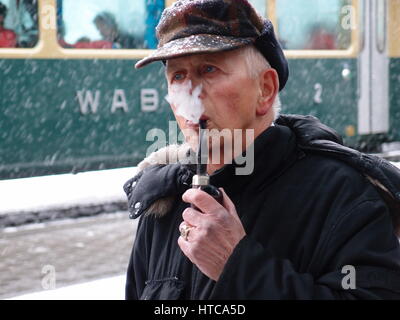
<point x="218" y="61"/>
<point x="172" y="66"/>
<point x="212" y="59"/>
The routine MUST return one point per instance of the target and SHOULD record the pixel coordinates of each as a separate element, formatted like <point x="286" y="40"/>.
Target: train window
<point x="316" y="25"/>
<point x="18" y="23"/>
<point x="104" y="24"/>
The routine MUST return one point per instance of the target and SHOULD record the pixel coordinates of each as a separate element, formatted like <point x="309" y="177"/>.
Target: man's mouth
<point x="192" y="125"/>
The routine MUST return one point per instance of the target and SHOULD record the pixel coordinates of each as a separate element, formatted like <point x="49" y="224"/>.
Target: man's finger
<point x="192" y="216"/>
<point x="202" y="200"/>
<point x="227" y="203"/>
<point x="185" y="247"/>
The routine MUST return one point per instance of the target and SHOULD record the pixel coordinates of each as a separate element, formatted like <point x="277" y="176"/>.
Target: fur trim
<point x="160" y="207"/>
<point x="170" y="154"/>
<point x="167" y="155"/>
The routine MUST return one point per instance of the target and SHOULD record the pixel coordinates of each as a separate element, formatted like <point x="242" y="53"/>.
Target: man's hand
<point x="215" y="231"/>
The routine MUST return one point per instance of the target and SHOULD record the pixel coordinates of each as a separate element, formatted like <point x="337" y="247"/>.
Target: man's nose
<point x="195" y="83"/>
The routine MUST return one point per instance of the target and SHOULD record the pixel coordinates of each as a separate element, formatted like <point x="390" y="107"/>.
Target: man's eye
<point x="178" y="76"/>
<point x="209" y="69"/>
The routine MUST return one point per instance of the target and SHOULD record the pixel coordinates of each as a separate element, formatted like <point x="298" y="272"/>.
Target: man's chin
<point x="216" y="143"/>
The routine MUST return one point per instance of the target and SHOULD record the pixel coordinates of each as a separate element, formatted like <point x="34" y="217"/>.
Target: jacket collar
<point x="274" y="150"/>
<point x="154" y="190"/>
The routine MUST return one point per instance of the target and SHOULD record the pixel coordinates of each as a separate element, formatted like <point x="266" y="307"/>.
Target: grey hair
<point x="256" y="63"/>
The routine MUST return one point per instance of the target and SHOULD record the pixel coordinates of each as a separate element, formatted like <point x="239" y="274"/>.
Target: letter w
<point x="86" y="101"/>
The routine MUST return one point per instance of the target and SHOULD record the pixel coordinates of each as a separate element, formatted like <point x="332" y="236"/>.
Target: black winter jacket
<point x="308" y="217"/>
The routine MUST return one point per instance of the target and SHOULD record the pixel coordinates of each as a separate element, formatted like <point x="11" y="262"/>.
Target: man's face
<point x="229" y="95"/>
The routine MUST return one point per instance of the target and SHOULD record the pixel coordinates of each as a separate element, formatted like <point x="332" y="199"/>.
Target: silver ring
<point x="184" y="229"/>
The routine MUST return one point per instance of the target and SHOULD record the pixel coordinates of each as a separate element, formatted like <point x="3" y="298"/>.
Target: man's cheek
<point x="173" y="108"/>
<point x="181" y="121"/>
<point x="191" y="137"/>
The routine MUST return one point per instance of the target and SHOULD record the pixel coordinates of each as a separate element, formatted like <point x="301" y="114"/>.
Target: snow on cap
<point x="207" y="26"/>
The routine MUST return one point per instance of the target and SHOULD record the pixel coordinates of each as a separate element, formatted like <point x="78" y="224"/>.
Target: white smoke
<point x="188" y="105"/>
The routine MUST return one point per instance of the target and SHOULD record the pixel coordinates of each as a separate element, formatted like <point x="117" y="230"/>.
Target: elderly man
<point x="299" y="225"/>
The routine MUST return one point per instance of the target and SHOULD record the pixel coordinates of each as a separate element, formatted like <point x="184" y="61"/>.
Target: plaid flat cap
<point x="207" y="26"/>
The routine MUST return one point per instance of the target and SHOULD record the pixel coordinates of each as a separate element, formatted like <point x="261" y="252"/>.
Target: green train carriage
<point x="71" y="101"/>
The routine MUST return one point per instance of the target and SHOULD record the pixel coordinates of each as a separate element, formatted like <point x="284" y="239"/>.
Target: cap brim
<point x="194" y="44"/>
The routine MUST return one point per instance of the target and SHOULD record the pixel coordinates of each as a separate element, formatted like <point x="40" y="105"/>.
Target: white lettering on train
<point x="119" y="101"/>
<point x="89" y="100"/>
<point x="149" y="100"/>
<point x="86" y="101"/>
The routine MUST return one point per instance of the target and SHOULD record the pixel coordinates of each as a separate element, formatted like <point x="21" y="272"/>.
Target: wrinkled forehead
<point x="220" y="58"/>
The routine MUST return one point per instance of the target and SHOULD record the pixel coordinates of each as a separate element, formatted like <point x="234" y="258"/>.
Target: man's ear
<point x="269" y="88"/>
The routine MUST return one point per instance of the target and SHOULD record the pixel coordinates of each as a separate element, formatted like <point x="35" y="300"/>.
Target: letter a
<point x="349" y="281"/>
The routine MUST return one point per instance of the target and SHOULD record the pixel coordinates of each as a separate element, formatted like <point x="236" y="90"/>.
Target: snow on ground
<point x="104" y="289"/>
<point x="64" y="190"/>
<point x="59" y="191"/>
